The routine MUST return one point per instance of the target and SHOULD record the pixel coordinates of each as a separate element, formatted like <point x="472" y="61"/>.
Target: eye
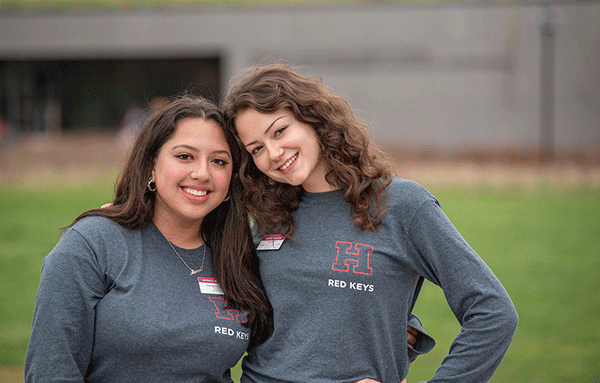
<point x="220" y="161"/>
<point x="280" y="130"/>
<point x="184" y="156"/>
<point x="255" y="150"/>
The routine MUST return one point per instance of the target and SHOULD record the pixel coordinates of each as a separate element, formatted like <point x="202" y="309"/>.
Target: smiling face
<point x="284" y="148"/>
<point x="192" y="173"/>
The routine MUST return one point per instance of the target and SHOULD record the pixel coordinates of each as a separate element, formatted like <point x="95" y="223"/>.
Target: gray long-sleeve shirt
<point x="342" y="296"/>
<point x="118" y="305"/>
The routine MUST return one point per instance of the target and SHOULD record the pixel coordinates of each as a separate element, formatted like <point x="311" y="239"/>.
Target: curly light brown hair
<point x="356" y="166"/>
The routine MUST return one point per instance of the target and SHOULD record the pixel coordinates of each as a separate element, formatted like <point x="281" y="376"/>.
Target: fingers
<point x="410" y="340"/>
<point x="411" y="336"/>
<point x="413" y="331"/>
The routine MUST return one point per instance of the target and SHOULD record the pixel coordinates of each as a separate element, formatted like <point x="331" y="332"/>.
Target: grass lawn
<point x="30" y="223"/>
<point x="543" y="244"/>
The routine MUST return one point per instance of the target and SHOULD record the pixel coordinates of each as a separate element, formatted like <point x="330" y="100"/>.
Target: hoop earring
<point x="151" y="185"/>
<point x="226" y="198"/>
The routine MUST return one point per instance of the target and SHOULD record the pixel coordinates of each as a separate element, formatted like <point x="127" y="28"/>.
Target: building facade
<point x="443" y="77"/>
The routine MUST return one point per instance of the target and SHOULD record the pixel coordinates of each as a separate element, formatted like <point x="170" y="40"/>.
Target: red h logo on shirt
<point x="227" y="313"/>
<point x="357" y="256"/>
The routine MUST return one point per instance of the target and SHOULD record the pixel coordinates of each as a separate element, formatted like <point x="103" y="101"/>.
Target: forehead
<point x="252" y="122"/>
<point x="199" y="133"/>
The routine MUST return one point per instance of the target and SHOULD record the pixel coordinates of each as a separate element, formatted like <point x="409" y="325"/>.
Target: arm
<point x="62" y="334"/>
<point x="419" y="342"/>
<point x="478" y="300"/>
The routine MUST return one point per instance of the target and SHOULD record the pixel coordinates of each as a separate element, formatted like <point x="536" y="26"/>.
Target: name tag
<point x="209" y="286"/>
<point x="271" y="242"/>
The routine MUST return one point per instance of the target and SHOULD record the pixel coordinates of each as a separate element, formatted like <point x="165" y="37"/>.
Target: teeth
<point x="197" y="193"/>
<point x="289" y="162"/>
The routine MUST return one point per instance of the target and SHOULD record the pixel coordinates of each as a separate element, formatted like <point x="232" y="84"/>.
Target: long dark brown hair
<point x="360" y="169"/>
<point x="225" y="230"/>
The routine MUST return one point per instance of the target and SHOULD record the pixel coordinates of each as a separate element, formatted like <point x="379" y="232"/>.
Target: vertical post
<point x="13" y="90"/>
<point x="547" y="78"/>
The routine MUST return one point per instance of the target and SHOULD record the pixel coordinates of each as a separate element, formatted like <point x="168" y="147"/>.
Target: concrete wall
<point x="437" y="76"/>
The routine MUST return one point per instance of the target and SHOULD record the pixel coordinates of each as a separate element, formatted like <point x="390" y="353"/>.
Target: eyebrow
<point x="185" y="147"/>
<point x="266" y="130"/>
<point x="222" y="152"/>
<point x="196" y="149"/>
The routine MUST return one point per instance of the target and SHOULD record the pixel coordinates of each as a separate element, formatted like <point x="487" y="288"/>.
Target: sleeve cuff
<point x="425" y="342"/>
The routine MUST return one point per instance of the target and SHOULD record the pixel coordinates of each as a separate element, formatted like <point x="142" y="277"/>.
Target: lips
<point x="195" y="192"/>
<point x="289" y="162"/>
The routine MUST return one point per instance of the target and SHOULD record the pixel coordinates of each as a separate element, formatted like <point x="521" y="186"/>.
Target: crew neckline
<point x="321" y="197"/>
<point x="160" y="236"/>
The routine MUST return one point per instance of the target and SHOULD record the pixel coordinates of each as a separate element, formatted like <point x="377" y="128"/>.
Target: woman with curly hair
<point x="344" y="246"/>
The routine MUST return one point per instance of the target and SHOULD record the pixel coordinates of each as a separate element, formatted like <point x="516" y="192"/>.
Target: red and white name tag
<point x="271" y="242"/>
<point x="209" y="286"/>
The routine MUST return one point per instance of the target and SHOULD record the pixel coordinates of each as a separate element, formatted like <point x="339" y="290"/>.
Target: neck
<point x="318" y="185"/>
<point x="321" y="188"/>
<point x="317" y="181"/>
<point x="180" y="235"/>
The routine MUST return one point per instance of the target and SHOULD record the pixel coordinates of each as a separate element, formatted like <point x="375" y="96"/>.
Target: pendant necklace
<point x="192" y="271"/>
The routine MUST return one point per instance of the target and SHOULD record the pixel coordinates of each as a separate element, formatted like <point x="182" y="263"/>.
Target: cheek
<point x="223" y="178"/>
<point x="174" y="177"/>
<point x="260" y="164"/>
<point x="168" y="170"/>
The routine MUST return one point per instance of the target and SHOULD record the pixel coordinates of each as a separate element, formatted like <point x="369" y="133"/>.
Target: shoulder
<point x="93" y="239"/>
<point x="98" y="233"/>
<point x="405" y="199"/>
<point x="95" y="222"/>
<point x="406" y="192"/>
<point x="96" y="226"/>
<point x="79" y="243"/>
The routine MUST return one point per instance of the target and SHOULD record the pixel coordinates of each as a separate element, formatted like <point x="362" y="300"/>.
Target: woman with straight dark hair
<point x="163" y="285"/>
<point x="344" y="246"/>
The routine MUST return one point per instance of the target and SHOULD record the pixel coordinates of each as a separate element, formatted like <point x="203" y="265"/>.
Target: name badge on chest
<point x="271" y="242"/>
<point x="209" y="286"/>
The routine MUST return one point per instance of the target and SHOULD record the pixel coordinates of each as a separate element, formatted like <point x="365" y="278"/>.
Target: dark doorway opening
<point x="46" y="95"/>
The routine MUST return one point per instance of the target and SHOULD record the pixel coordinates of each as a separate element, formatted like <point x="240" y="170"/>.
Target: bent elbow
<point x="510" y="318"/>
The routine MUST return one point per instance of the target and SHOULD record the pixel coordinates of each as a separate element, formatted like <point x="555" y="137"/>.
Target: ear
<point x="153" y="171"/>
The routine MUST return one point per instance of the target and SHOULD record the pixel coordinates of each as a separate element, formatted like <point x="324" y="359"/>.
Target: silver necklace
<point x="192" y="271"/>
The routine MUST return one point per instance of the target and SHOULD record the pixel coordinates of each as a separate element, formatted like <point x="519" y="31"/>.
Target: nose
<point x="200" y="171"/>
<point x="275" y="151"/>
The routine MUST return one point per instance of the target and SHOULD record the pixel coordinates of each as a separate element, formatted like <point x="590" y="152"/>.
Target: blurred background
<point x="494" y="106"/>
